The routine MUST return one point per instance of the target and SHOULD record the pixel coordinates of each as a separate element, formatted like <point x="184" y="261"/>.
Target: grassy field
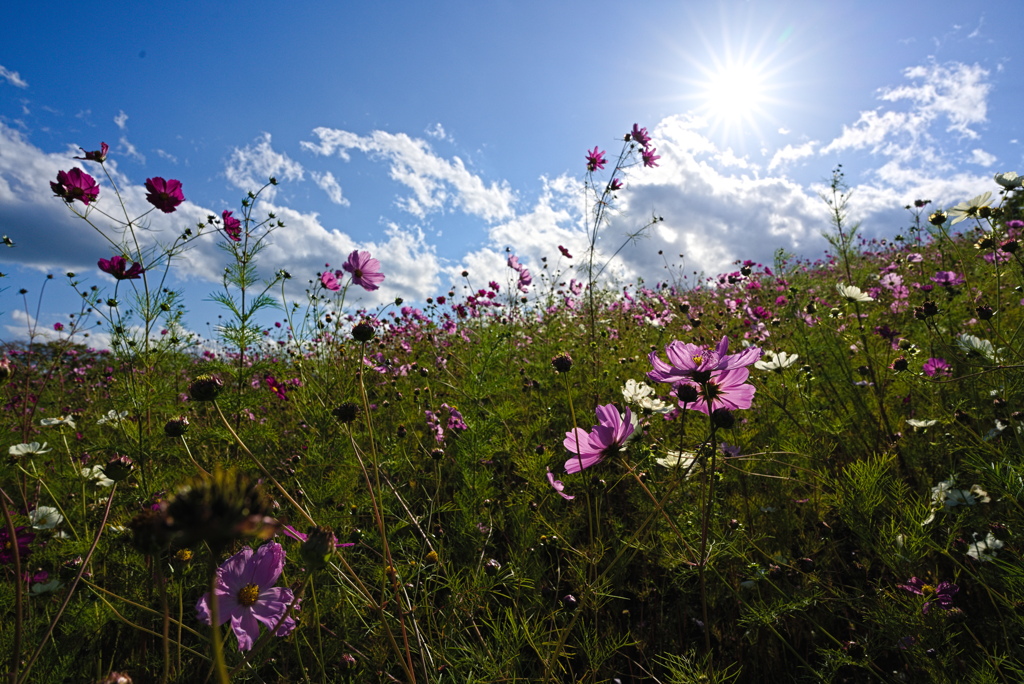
<point x="797" y="471"/>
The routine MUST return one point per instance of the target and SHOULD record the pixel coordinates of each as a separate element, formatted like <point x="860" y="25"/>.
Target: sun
<point x="733" y="96"/>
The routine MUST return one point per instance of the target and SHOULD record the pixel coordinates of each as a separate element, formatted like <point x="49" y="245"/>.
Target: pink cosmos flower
<point x="525" y="280"/>
<point x="689" y="363"/>
<point x="616" y="184"/>
<point x="23" y="537"/>
<point x="365" y="270"/>
<point x="165" y="195"/>
<point x="513" y="263"/>
<point x="330" y="281"/>
<point x="75" y="185"/>
<point x="948" y="278"/>
<point x="117" y="266"/>
<point x="942" y="595"/>
<point x="725" y="389"/>
<point x="935" y="366"/>
<point x="609" y="436"/>
<point x="246" y="594"/>
<point x="99" y="155"/>
<point x="565" y="252"/>
<point x="232" y="226"/>
<point x="559" y="487"/>
<point x="595" y="159"/>
<point x="650" y="159"/>
<point x="276" y="387"/>
<point x="640" y="135"/>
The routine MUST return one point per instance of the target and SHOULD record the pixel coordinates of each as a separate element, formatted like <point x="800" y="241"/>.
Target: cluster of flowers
<point x="525" y="279"/>
<point x="455" y="424"/>
<point x="365" y="271"/>
<point x="596" y="159"/>
<point x="711" y="381"/>
<point x="164" y="194"/>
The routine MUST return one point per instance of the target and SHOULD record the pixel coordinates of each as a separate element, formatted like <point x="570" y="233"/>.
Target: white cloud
<point x="982" y="158"/>
<point x="437" y="131"/>
<point x="163" y="154"/>
<point x="251" y="166"/>
<point x="792" y="153"/>
<point x="955" y="91"/>
<point x="329" y="184"/>
<point x="435" y="182"/>
<point x="121" y="120"/>
<point x="129" y="150"/>
<point x="12" y="77"/>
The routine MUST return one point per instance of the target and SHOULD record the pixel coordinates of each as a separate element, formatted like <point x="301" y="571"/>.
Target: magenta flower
<point x="650" y="159"/>
<point x="117" y="266"/>
<point x="565" y="252"/>
<point x="595" y="159"/>
<point x="723" y="390"/>
<point x="75" y="185"/>
<point x="947" y="278"/>
<point x="330" y="281"/>
<point x="934" y="366"/>
<point x="942" y="595"/>
<point x="276" y="387"/>
<point x="640" y="135"/>
<point x="690" y="363"/>
<point x="559" y="487"/>
<point x="99" y="155"/>
<point x="616" y="184"/>
<point x="525" y="280"/>
<point x="165" y="195"/>
<point x="232" y="226"/>
<point x="246" y="594"/>
<point x="22" y="537"/>
<point x="365" y="270"/>
<point x="609" y="436"/>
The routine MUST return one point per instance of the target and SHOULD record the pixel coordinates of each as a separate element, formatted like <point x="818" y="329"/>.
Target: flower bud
<point x="363" y="331"/>
<point x="205" y="388"/>
<point x="723" y="418"/>
<point x="176" y="427"/>
<point x="150" y="533"/>
<point x="562" y="363"/>
<point x="346" y="413"/>
<point x="686" y="392"/>
<point x="119" y="468"/>
<point x="317" y="548"/>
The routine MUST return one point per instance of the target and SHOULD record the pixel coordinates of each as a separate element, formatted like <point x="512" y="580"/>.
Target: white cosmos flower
<point x="60" y="420"/>
<point x="45" y="518"/>
<point x="852" y="293"/>
<point x="969" y="209"/>
<point x="30" y="449"/>
<point x="113" y="418"/>
<point x="96" y="475"/>
<point x="984" y="550"/>
<point x="921" y="424"/>
<point x="678" y="459"/>
<point x="1009" y="180"/>
<point x="634" y="391"/>
<point x="641" y="394"/>
<point x="977" y="346"/>
<point x="776" y="361"/>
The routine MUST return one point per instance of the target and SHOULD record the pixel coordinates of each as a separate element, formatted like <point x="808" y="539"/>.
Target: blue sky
<point x="438" y="135"/>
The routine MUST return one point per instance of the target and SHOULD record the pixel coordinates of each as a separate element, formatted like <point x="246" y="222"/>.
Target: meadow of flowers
<point x="809" y="470"/>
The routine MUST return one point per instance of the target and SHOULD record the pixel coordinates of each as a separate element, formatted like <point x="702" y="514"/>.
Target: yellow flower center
<point x="927" y="590"/>
<point x="697" y="360"/>
<point x="248" y="594"/>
